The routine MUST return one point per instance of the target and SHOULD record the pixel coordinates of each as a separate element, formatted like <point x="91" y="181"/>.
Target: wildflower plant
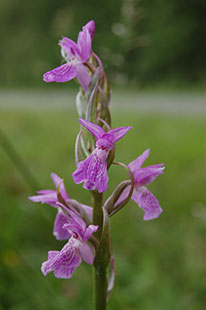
<point x="86" y="229"/>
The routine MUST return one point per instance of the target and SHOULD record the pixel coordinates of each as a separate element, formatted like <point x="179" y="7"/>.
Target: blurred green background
<point x="154" y="55"/>
<point x="143" y="43"/>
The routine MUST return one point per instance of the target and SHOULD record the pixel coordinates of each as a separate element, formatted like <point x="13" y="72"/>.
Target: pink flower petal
<point x="58" y="231"/>
<point x="45" y="191"/>
<point x="84" y="43"/>
<point x="96" y="130"/>
<point x="137" y="163"/>
<point x="79" y="175"/>
<point x="91" y="27"/>
<point x="63" y="73"/>
<point x="89" y="210"/>
<point x="89" y="185"/>
<point x="70" y="47"/>
<point x="148" y="202"/>
<point x="77" y="220"/>
<point x="89" y="231"/>
<point x="118" y="133"/>
<point x="102" y="178"/>
<point x="63" y="262"/>
<point x="52" y="254"/>
<point x="57" y="180"/>
<point x="50" y="198"/>
<point x="65" y="271"/>
<point x="95" y="173"/>
<point x="74" y="219"/>
<point x="147" y="175"/>
<point x="86" y="253"/>
<point x="83" y="76"/>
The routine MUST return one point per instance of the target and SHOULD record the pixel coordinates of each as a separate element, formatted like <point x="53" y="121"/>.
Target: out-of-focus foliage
<point x="147" y="42"/>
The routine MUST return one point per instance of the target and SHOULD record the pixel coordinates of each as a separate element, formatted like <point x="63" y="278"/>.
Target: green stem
<point x="100" y="289"/>
<point x="100" y="276"/>
<point x="97" y="212"/>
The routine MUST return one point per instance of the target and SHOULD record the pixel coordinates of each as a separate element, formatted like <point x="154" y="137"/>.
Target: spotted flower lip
<point x="93" y="170"/>
<point x="64" y="262"/>
<point x="141" y="195"/>
<point x="50" y="197"/>
<point x="75" y="55"/>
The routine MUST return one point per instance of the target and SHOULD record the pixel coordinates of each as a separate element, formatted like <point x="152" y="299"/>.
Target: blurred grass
<point x="161" y="264"/>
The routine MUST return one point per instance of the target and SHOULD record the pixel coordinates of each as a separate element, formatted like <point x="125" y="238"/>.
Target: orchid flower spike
<point x="50" y="197"/>
<point x="141" y="195"/>
<point x="93" y="170"/>
<point x="75" y="54"/>
<point x="64" y="262"/>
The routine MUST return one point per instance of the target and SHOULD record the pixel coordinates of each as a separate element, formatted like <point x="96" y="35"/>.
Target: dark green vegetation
<point x="160" y="264"/>
<point x="141" y="42"/>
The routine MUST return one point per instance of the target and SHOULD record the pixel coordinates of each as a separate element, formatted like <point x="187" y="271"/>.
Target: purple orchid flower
<point x="75" y="54"/>
<point x="50" y="197"/>
<point x="143" y="176"/>
<point x="93" y="170"/>
<point x="64" y="262"/>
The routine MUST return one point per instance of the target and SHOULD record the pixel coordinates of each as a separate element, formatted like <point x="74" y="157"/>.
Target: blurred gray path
<point x="187" y="103"/>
